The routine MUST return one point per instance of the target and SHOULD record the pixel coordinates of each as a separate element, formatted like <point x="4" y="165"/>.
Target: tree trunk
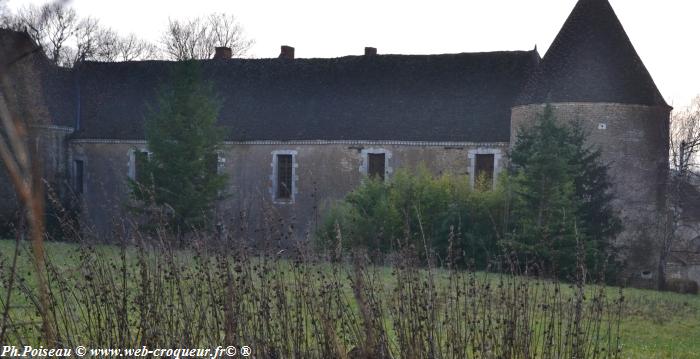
<point x="663" y="259"/>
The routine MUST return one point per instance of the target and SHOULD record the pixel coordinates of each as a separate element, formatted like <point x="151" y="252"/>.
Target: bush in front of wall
<point x="437" y="216"/>
<point x="683" y="286"/>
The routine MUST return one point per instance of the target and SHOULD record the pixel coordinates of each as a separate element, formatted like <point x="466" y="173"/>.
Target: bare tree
<point x="684" y="150"/>
<point x="685" y="140"/>
<point x="197" y="38"/>
<point x="180" y="42"/>
<point x="90" y="41"/>
<point x="67" y="39"/>
<point x="51" y="26"/>
<point x="131" y="48"/>
<point x="226" y="31"/>
<point x="3" y="9"/>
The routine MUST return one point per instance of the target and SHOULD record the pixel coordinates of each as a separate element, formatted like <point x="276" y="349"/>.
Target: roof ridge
<point x="302" y="59"/>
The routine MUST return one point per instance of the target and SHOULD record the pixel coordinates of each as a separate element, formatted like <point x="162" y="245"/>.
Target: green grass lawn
<point x="655" y="325"/>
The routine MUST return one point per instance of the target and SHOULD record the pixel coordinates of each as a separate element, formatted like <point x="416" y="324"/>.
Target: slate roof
<point x="56" y="92"/>
<point x="13" y="46"/>
<point x="450" y="97"/>
<point x="58" y="87"/>
<point x="592" y="60"/>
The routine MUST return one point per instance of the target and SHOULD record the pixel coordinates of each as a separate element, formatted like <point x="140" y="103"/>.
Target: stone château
<point x="306" y="131"/>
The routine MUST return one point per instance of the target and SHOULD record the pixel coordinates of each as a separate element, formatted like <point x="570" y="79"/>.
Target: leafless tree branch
<point x="196" y="38"/>
<point x="684" y="151"/>
<point x="685" y="140"/>
<point x="21" y="161"/>
<point x="67" y="39"/>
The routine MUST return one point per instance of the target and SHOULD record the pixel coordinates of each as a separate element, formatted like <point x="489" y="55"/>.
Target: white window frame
<point x="364" y="166"/>
<point x="273" y="177"/>
<point x="497" y="158"/>
<point x="132" y="160"/>
<point x="220" y="162"/>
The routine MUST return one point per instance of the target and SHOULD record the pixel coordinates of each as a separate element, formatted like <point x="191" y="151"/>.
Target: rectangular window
<point x="483" y="179"/>
<point x="212" y="162"/>
<point x="79" y="176"/>
<point x="284" y="176"/>
<point x="140" y="161"/>
<point x="377" y="165"/>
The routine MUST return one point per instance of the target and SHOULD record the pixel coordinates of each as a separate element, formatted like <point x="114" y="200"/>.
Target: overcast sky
<point x="665" y="33"/>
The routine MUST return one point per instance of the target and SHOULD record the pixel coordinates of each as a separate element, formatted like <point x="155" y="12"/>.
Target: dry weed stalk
<point x="22" y="163"/>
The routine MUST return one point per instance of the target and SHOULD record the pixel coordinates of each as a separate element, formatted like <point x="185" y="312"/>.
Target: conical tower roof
<point x="592" y="60"/>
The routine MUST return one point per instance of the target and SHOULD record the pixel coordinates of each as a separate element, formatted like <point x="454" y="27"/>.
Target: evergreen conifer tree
<point x="562" y="201"/>
<point x="180" y="176"/>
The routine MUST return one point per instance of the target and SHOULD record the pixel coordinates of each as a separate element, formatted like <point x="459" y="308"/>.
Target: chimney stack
<point x="370" y="51"/>
<point x="223" y="53"/>
<point x="287" y="52"/>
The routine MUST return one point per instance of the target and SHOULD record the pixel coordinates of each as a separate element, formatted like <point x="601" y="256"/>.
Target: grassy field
<point x="653" y="325"/>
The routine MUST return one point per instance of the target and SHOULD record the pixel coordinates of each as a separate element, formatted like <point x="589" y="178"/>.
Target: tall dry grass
<point x="296" y="303"/>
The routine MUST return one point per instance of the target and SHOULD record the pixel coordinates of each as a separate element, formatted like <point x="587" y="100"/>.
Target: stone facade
<point x="324" y="171"/>
<point x="23" y="77"/>
<point x="329" y="115"/>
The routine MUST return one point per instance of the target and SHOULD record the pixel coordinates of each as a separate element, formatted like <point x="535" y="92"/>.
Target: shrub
<point x="437" y="215"/>
<point x="683" y="286"/>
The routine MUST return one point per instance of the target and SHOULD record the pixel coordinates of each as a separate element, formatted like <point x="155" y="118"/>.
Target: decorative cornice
<point x="314" y="142"/>
<point x="107" y="141"/>
<point x="55" y="127"/>
<point x="592" y="104"/>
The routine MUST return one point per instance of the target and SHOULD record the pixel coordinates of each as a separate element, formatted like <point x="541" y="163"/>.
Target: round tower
<point x="592" y="74"/>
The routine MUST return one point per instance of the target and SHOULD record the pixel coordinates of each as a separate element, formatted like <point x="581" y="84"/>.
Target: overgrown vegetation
<point x="554" y="205"/>
<point x="304" y="307"/>
<point x="439" y="216"/>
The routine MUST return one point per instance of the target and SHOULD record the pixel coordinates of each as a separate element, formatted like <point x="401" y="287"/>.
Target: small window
<point x="284" y="176"/>
<point x="212" y="163"/>
<point x="140" y="161"/>
<point x="484" y="171"/>
<point x="376" y="165"/>
<point x="79" y="176"/>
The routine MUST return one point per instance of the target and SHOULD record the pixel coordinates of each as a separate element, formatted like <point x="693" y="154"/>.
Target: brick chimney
<point x="287" y="52"/>
<point x="370" y="51"/>
<point x="222" y="52"/>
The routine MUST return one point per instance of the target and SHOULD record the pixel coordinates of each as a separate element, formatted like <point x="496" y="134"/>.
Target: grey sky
<point x="665" y="33"/>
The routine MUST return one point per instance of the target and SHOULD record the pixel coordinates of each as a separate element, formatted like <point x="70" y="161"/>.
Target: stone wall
<point x="325" y="171"/>
<point x="634" y="142"/>
<point x="51" y="142"/>
<point x="21" y="67"/>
